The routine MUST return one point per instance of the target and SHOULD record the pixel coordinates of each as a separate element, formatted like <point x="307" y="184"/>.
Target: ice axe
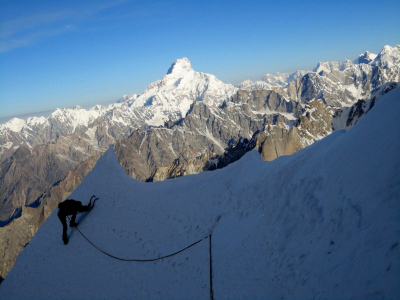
<point x="91" y="205"/>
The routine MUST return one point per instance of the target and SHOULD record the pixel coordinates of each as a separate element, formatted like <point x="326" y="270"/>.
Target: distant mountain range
<point x="168" y="100"/>
<point x="185" y="123"/>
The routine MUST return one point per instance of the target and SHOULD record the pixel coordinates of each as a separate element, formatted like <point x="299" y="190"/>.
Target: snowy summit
<point x="180" y="66"/>
<point x="170" y="98"/>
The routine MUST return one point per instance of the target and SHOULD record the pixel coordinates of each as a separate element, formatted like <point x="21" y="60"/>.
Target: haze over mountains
<point x="185" y="123"/>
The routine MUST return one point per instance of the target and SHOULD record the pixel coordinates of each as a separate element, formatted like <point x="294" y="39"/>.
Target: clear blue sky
<point x="63" y="53"/>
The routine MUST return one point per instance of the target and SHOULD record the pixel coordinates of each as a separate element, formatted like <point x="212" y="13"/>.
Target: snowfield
<point x="323" y="223"/>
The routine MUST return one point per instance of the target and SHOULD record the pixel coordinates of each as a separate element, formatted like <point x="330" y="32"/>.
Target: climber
<point x="72" y="207"/>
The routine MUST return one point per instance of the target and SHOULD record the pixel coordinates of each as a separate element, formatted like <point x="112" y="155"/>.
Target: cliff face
<point x="274" y="139"/>
<point x="150" y="155"/>
<point x="266" y="101"/>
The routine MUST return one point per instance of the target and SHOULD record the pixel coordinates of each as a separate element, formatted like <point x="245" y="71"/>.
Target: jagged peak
<point x="179" y="66"/>
<point x="386" y="48"/>
<point x="365" y="58"/>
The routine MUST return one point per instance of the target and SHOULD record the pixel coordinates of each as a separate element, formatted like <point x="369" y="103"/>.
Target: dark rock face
<point x="188" y="162"/>
<point x="151" y="154"/>
<point x="266" y="101"/>
<point x="356" y="112"/>
<point x="274" y="138"/>
<point x="280" y="139"/>
<point x="232" y="154"/>
<point x="205" y="133"/>
<point x="347" y="117"/>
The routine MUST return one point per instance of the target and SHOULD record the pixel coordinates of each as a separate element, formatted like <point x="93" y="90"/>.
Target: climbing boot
<point x="73" y="224"/>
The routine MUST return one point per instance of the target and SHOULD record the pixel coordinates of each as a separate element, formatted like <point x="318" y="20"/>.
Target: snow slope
<point x="321" y="223"/>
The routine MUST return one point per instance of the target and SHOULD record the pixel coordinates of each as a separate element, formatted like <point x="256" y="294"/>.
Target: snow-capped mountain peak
<point x="35" y="121"/>
<point x="328" y="66"/>
<point x="388" y="57"/>
<point x="282" y="79"/>
<point x="365" y="58"/>
<point x="180" y="67"/>
<point x="170" y="98"/>
<point x="15" y="124"/>
<point x="269" y="81"/>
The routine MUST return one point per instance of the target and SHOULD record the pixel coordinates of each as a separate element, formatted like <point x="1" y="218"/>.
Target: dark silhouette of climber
<point x="72" y="207"/>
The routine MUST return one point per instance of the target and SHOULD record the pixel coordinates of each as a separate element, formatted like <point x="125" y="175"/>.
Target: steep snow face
<point x="321" y="223"/>
<point x="171" y="97"/>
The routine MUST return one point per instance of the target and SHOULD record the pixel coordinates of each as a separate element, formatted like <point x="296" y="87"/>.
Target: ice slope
<point x="322" y="223"/>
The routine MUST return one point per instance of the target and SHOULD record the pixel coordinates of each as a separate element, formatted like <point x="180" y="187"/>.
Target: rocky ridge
<point x="340" y="83"/>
